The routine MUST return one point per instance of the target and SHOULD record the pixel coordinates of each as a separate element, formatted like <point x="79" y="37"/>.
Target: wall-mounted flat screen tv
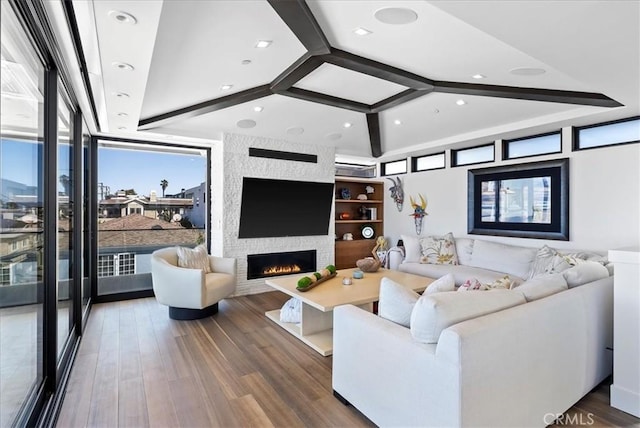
<point x="276" y="208"/>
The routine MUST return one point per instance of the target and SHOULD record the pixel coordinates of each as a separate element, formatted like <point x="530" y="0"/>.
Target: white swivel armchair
<point x="191" y="293"/>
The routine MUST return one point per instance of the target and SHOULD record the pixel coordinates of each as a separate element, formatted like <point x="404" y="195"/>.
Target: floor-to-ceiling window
<point x="149" y="196"/>
<point x="21" y="219"/>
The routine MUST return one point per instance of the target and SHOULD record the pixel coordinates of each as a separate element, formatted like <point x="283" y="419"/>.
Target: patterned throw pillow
<point x="196" y="258"/>
<point x="439" y="251"/>
<point x="503" y="283"/>
<point x="472" y="285"/>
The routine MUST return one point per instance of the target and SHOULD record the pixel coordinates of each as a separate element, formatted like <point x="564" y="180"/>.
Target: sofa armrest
<point x="176" y="286"/>
<point x="223" y="264"/>
<point x="384" y="373"/>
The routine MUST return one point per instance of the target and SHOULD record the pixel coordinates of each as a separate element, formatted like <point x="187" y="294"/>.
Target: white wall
<point x="604" y="199"/>
<point x="230" y="163"/>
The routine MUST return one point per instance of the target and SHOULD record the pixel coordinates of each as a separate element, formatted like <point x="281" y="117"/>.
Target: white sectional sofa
<point x="518" y="367"/>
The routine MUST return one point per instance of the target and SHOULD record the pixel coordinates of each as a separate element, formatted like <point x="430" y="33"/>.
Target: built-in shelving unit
<point x="357" y="214"/>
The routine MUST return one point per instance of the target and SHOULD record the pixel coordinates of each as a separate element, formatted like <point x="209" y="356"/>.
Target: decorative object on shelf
<point x="308" y="282"/>
<point x="361" y="197"/>
<point x="357" y="274"/>
<point x="345" y="193"/>
<point x="397" y="193"/>
<point x="363" y="212"/>
<point x="418" y="212"/>
<point x="369" y="189"/>
<point x="347" y="237"/>
<point x="368" y="264"/>
<point x="367" y="232"/>
<point x="344" y="216"/>
<point x="380" y="250"/>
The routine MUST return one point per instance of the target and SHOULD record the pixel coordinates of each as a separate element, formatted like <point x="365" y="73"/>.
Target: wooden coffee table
<point x="316" y="326"/>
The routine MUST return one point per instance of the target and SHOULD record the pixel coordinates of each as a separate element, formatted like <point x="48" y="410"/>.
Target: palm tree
<point x="164" y="184"/>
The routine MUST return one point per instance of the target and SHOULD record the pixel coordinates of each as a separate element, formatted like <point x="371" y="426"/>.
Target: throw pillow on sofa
<point x="472" y="284"/>
<point x="196" y="258"/>
<point x="412" y="249"/>
<point x="396" y="301"/>
<point x="542" y="286"/>
<point x="584" y="272"/>
<point x="435" y="312"/>
<point x="439" y="250"/>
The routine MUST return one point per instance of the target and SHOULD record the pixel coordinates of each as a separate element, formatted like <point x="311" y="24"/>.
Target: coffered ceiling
<point x="441" y="74"/>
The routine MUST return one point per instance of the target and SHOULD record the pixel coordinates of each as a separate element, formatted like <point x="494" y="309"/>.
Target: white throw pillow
<point x="396" y="302"/>
<point x="505" y="258"/>
<point x="433" y="313"/>
<point x="584" y="272"/>
<point x="196" y="258"/>
<point x="464" y="250"/>
<point x="439" y="250"/>
<point x="542" y="286"/>
<point x="543" y="261"/>
<point x="412" y="249"/>
<point x="444" y="283"/>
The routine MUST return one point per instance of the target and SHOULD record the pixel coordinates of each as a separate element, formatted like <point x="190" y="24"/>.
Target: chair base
<point x="341" y="398"/>
<point x="185" y="314"/>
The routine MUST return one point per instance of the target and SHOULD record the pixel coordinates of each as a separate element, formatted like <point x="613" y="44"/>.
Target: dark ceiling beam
<point x="298" y="17"/>
<point x="296" y="72"/>
<point x="205" y="107"/>
<point x="373" y="123"/>
<point x="530" y="94"/>
<point x="397" y="99"/>
<point x="377" y="69"/>
<point x="329" y="100"/>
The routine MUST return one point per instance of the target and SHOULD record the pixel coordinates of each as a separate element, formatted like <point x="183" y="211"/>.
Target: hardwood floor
<point x="136" y="367"/>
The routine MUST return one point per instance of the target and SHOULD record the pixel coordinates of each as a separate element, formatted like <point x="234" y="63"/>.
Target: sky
<point x="143" y="170"/>
<point x="117" y="168"/>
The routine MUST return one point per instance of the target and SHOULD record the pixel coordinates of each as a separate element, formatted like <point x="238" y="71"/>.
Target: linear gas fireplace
<point x="276" y="264"/>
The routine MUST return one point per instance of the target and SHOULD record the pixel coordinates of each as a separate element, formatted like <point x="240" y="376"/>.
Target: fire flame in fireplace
<point x="279" y="270"/>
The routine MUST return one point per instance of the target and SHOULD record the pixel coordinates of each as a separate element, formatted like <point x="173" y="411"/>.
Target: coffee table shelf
<point x="316" y="326"/>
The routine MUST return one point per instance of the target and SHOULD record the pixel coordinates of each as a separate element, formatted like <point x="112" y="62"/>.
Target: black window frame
<point x="414" y="162"/>
<point x="558" y="229"/>
<point x="575" y="131"/>
<point x="383" y="168"/>
<point x="454" y="155"/>
<point x="505" y="145"/>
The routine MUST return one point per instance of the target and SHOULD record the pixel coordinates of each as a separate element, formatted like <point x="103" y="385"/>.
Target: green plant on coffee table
<point x="312" y="280"/>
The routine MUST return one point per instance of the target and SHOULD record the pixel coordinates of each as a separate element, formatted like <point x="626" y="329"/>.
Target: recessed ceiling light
<point x="362" y="31"/>
<point x="122" y="95"/>
<point x="246" y="123"/>
<point x="123" y="114"/>
<point x="396" y="15"/>
<point x="122" y="66"/>
<point x="263" y="44"/>
<point x="461" y="102"/>
<point x="122" y="17"/>
<point x="334" y="137"/>
<point x="435" y="111"/>
<point x="245" y="62"/>
<point x="478" y="76"/>
<point x="347" y="125"/>
<point x="258" y="109"/>
<point x="527" y="71"/>
<point x="397" y="122"/>
<point x="295" y="130"/>
<point x="226" y="87"/>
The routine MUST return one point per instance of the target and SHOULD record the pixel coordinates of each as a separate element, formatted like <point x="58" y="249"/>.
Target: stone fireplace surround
<point x="230" y="162"/>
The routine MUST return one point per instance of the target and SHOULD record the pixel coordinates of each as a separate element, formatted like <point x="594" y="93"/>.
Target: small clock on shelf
<point x="367" y="232"/>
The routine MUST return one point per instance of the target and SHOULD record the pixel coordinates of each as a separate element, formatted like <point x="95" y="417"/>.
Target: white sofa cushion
<point x="505" y="258"/>
<point x="460" y="272"/>
<point x="412" y="249"/>
<point x="439" y="250"/>
<point x="396" y="302"/>
<point x="584" y="272"/>
<point x="196" y="258"/>
<point x="435" y="312"/>
<point x="542" y="286"/>
<point x="464" y="249"/>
